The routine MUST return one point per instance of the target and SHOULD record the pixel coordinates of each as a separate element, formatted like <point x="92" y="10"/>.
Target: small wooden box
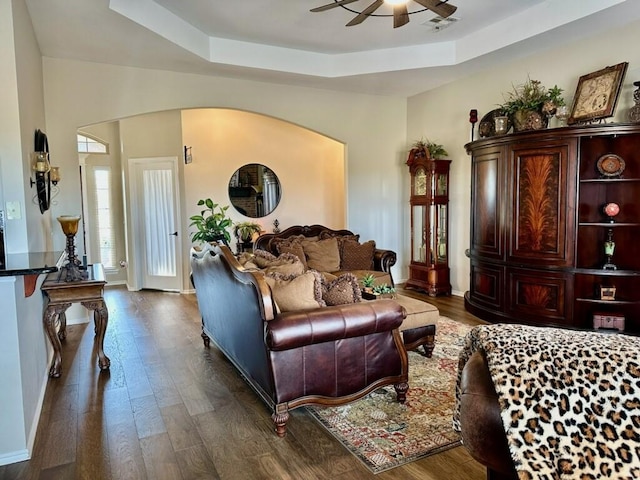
<point x="607" y="293"/>
<point x="608" y="321"/>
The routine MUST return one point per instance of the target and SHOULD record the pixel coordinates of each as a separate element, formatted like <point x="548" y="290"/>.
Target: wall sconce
<point x="43" y="172"/>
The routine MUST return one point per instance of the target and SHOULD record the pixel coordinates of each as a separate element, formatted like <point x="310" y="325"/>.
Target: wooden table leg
<point x="100" y="320"/>
<point x="50" y="315"/>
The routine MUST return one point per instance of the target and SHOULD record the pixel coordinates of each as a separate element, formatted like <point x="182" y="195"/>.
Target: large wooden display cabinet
<point x="429" y="266"/>
<point x="538" y="228"/>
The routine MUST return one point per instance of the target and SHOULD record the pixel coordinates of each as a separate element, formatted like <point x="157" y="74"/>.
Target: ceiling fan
<point x="400" y="12"/>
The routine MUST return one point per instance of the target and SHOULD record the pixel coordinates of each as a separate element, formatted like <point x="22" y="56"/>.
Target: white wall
<point x="24" y="351"/>
<point x="310" y="166"/>
<point x="442" y="114"/>
<point x="372" y="128"/>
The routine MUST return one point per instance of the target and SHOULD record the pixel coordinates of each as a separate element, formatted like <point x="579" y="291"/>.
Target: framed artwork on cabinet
<point x="597" y="94"/>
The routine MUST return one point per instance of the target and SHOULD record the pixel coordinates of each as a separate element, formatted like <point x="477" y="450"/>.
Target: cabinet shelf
<point x="607" y="302"/>
<point x="609" y="180"/>
<point x="609" y="225"/>
<point x="607" y="273"/>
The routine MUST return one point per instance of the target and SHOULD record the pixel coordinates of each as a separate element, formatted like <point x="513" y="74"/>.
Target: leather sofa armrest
<point x="296" y="329"/>
<point x="383" y="260"/>
<point x="480" y="422"/>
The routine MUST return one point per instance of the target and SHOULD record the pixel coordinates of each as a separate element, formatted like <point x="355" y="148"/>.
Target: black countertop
<point x="13" y="264"/>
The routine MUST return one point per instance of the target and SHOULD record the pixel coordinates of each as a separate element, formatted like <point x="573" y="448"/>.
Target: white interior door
<point x="155" y="222"/>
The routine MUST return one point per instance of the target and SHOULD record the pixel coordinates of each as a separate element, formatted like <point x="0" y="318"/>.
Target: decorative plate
<point x="487" y="127"/>
<point x="610" y="165"/>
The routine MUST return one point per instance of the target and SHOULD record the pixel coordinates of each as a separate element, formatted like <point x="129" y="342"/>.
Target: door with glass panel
<point x="156" y="236"/>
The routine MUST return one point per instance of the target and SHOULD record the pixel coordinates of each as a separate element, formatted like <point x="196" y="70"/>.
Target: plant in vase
<point x="244" y="231"/>
<point x="434" y="150"/>
<point x="531" y="104"/>
<point x="368" y="282"/>
<point x="384" y="290"/>
<point x="212" y="224"/>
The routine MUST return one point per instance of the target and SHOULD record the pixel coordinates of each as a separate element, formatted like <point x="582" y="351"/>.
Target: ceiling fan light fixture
<point x="396" y="2"/>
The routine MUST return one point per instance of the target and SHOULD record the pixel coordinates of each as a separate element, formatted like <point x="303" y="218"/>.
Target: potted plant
<point x="244" y="231"/>
<point x="368" y="282"/>
<point x="384" y="291"/>
<point x="435" y="150"/>
<point x="531" y="104"/>
<point x="212" y="223"/>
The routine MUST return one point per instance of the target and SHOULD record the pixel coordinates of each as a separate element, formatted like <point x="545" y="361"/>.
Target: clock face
<point x="610" y="165"/>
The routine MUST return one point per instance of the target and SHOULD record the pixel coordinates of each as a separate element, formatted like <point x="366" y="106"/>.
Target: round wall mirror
<point x="254" y="190"/>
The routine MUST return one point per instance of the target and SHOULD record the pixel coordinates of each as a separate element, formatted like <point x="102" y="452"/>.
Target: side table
<point x="60" y="295"/>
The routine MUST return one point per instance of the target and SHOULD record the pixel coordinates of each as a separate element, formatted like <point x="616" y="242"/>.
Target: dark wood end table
<point x="60" y="295"/>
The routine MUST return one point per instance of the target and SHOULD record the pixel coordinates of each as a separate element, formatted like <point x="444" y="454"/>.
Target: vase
<point x="524" y="120"/>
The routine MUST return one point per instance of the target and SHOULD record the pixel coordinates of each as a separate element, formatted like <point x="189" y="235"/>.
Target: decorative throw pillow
<point x="302" y="292"/>
<point x="322" y="255"/>
<point x="357" y="256"/>
<point x="291" y="245"/>
<point x="285" y="264"/>
<point x="341" y="291"/>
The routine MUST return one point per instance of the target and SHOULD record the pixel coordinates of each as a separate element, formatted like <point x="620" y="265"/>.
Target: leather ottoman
<point x="419" y="327"/>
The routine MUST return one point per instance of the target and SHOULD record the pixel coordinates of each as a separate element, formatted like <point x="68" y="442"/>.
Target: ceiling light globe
<point x="396" y="2"/>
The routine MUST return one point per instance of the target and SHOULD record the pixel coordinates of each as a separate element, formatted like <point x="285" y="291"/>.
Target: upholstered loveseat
<point x="331" y="251"/>
<point x="317" y="356"/>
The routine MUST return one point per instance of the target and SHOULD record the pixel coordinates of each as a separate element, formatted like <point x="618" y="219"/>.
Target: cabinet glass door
<point x="439" y="233"/>
<point x="419" y="234"/>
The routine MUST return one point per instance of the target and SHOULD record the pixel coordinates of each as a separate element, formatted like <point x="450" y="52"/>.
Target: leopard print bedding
<point x="569" y="400"/>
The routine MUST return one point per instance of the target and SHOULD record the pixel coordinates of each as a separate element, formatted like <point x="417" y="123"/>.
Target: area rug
<point x="385" y="434"/>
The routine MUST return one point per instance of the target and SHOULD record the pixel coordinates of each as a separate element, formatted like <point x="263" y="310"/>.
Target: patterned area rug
<point x="385" y="434"/>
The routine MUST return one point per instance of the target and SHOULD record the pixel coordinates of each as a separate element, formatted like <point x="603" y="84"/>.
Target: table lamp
<point x="71" y="269"/>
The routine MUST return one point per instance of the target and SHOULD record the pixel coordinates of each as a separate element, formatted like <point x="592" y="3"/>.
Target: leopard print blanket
<point x="569" y="400"/>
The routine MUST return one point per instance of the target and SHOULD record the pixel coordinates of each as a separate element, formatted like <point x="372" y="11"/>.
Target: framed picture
<point x="597" y="94"/>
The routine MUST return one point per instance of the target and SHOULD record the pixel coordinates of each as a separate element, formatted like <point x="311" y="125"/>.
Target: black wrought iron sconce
<point x="44" y="173"/>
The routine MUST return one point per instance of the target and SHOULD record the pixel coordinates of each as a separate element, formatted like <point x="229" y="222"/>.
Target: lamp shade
<point x="69" y="224"/>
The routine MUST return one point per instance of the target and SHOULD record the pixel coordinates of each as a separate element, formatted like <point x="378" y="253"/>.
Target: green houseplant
<point x="244" y="231"/>
<point x="212" y="224"/>
<point x="367" y="283"/>
<point x="531" y="104"/>
<point x="435" y="150"/>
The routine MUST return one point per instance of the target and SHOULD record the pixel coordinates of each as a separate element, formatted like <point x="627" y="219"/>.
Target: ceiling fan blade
<point x="362" y="16"/>
<point x="400" y="16"/>
<point x="329" y="6"/>
<point x="439" y="8"/>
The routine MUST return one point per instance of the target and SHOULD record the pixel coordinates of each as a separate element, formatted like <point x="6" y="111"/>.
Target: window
<point x="91" y="145"/>
<point x="102" y="214"/>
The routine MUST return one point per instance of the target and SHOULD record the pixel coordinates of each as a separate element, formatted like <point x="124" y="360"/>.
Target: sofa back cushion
<point x="322" y="255"/>
<point x="357" y="256"/>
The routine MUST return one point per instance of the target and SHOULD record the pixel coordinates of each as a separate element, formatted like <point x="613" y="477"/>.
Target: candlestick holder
<point x="609" y="248"/>
<point x="70" y="271"/>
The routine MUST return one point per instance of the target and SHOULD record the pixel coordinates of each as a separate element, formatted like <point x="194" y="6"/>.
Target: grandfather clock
<point x="429" y="267"/>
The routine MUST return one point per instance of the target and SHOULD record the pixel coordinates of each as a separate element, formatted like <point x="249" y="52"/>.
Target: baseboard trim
<point x="14" y="457"/>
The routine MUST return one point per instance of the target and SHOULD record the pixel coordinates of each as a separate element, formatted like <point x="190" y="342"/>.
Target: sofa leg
<point x="401" y="391"/>
<point x="280" y="417"/>
<point x="205" y="338"/>
<point x="429" y="345"/>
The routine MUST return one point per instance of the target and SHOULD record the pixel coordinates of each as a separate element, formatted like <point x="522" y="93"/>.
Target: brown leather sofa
<point x="324" y="356"/>
<point x="481" y="426"/>
<point x="383" y="260"/>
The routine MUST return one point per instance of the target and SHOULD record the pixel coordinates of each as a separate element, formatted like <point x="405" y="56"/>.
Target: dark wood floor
<point x="170" y="409"/>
